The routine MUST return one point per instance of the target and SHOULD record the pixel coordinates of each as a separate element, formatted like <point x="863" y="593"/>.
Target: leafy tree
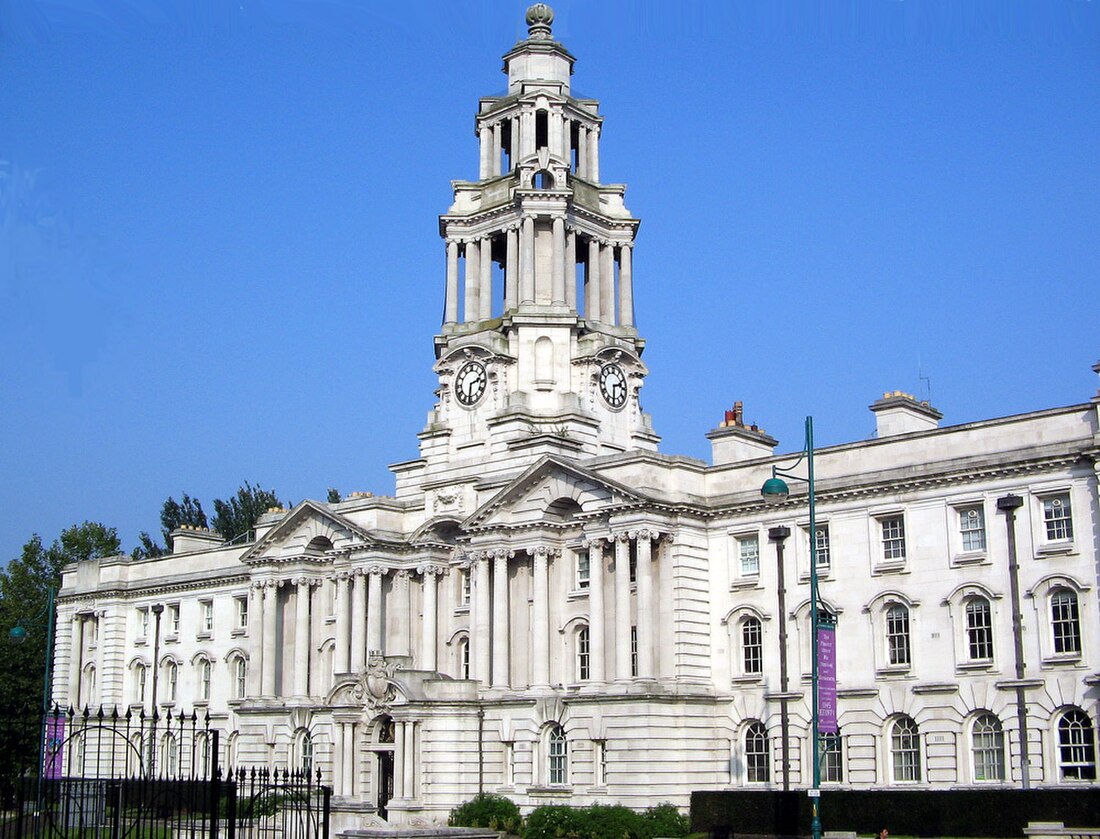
<point x="177" y="513"/>
<point x="236" y="518"/>
<point x="334" y="495"/>
<point x="148" y="548"/>
<point x="25" y="586"/>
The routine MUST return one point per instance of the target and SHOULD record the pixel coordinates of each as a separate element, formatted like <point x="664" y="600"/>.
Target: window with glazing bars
<point x="972" y="528"/>
<point x="1058" y="518"/>
<point x="822" y="554"/>
<point x="989" y="749"/>
<point x="979" y="630"/>
<point x="1066" y="622"/>
<point x="905" y="750"/>
<point x="893" y="538"/>
<point x="752" y="646"/>
<point x="897" y="636"/>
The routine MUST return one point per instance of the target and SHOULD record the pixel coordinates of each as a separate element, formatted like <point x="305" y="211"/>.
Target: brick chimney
<point x="733" y="441"/>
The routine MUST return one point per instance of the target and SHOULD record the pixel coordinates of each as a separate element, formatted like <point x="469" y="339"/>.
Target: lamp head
<point x="775" y="490"/>
<point x="17" y="634"/>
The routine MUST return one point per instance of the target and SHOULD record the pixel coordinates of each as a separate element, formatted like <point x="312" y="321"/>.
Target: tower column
<point x="526" y="134"/>
<point x="511" y="269"/>
<point x="358" y="621"/>
<point x="472" y="268"/>
<point x="485" y="293"/>
<point x="301" y="637"/>
<point x="626" y="285"/>
<point x="647" y="615"/>
<point x="557" y="290"/>
<point x="557" y="145"/>
<point x="498" y="148"/>
<point x="513" y="145"/>
<point x="374" y="609"/>
<point x="527" y="261"/>
<point x="401" y="624"/>
<point x="267" y="678"/>
<point x="607" y="283"/>
<point x="343" y="623"/>
<point x="450" y="300"/>
<point x="485" y="134"/>
<point x="481" y="650"/>
<point x="592" y="284"/>
<point x="570" y="269"/>
<point x="540" y="611"/>
<point x="594" y="155"/>
<point x="429" y="577"/>
<point x="582" y="150"/>
<point x="596" y="627"/>
<point x="622" y="607"/>
<point x="255" y="640"/>
<point x="500" y="618"/>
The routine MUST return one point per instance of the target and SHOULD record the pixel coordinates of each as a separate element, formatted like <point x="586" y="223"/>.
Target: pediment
<point x="537" y="496"/>
<point x="305" y="525"/>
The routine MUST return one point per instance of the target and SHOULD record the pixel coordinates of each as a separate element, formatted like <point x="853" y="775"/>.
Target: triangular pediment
<point x="547" y="487"/>
<point x="309" y="525"/>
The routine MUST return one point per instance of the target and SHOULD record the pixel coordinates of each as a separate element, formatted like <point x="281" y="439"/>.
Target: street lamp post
<point x="18" y="634"/>
<point x="158" y="610"/>
<point x="776" y="491"/>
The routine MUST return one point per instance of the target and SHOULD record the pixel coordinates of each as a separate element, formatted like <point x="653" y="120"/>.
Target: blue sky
<point x="219" y="253"/>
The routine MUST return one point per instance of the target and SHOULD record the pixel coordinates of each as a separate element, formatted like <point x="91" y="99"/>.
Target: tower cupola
<point x="539" y="59"/>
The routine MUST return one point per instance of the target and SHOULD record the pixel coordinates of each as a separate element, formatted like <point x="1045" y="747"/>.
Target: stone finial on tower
<point x="539" y="17"/>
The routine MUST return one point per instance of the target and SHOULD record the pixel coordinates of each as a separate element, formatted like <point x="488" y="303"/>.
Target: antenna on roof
<point x="925" y="380"/>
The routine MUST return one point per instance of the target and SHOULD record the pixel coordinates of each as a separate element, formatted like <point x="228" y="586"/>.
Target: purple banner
<point x="51" y="756"/>
<point x="826" y="680"/>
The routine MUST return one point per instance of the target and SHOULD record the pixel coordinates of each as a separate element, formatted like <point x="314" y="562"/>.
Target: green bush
<point x="610" y="821"/>
<point x="554" y="821"/>
<point x="492" y="811"/>
<point x="664" y="820"/>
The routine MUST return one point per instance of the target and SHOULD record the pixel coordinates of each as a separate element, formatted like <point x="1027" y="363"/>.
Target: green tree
<point x="333" y="495"/>
<point x="174" y="514"/>
<point x="25" y="585"/>
<point x="236" y="518"/>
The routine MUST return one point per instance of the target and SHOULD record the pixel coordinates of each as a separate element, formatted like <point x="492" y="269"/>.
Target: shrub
<point x="664" y="820"/>
<point x="614" y="821"/>
<point x="492" y="811"/>
<point x="554" y="821"/>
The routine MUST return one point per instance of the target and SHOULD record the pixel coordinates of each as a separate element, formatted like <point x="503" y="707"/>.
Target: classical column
<point x="485" y="294"/>
<point x="557" y="289"/>
<point x="511" y="268"/>
<point x="647" y="615"/>
<point x="500" y="618"/>
<point x="473" y="266"/>
<point x="622" y="606"/>
<point x="351" y="759"/>
<point x="75" y="661"/>
<point x="485" y="134"/>
<point x="596" y="627"/>
<point x="570" y="269"/>
<point x="267" y="680"/>
<point x="482" y="661"/>
<point x="594" y="155"/>
<point x="626" y="286"/>
<point x="429" y="575"/>
<point x="255" y="639"/>
<point x="592" y="284"/>
<point x="301" y="637"/>
<point x="526" y="134"/>
<point x="402" y="626"/>
<point x="358" y="620"/>
<point x="399" y="758"/>
<point x="557" y="134"/>
<point x="343" y="623"/>
<point x="527" y="261"/>
<point x="498" y="147"/>
<point x="582" y="151"/>
<point x="540" y="617"/>
<point x="607" y="283"/>
<point x="374" y="609"/>
<point x="513" y="144"/>
<point x="408" y="776"/>
<point x="450" y="301"/>
<point x="338" y="759"/>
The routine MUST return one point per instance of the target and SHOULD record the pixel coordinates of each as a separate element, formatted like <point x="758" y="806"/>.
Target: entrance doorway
<point x="384" y="765"/>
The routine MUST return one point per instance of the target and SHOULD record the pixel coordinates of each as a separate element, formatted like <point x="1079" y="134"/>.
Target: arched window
<point x="305" y="753"/>
<point x="905" y="749"/>
<point x="1065" y="621"/>
<point x="204" y="679"/>
<point x="463" y="655"/>
<point x="141" y="679"/>
<point x="240" y="677"/>
<point x="87" y="686"/>
<point x="757" y="768"/>
<point x="897" y="636"/>
<point x="1076" y="746"/>
<point x="752" y="646"/>
<point x="169" y="755"/>
<point x="543" y="180"/>
<point x="557" y="757"/>
<point x="172" y="676"/>
<point x="231" y="750"/>
<point x="832" y="758"/>
<point x="584" y="663"/>
<point x="201" y="757"/>
<point x="988" y="748"/>
<point x="979" y="630"/>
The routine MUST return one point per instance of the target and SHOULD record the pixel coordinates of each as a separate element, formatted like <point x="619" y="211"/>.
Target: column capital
<point x="428" y="569"/>
<point x="376" y="570"/>
<point x="401" y="576"/>
<point x="502" y="554"/>
<point x="622" y="536"/>
<point x="340" y="576"/>
<point x="595" y="542"/>
<point x="645" y="534"/>
<point x="544" y="550"/>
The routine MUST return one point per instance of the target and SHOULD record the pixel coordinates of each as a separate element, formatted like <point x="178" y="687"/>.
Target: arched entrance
<point x="383" y="769"/>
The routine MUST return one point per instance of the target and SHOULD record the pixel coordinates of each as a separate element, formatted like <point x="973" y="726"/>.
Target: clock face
<point x="470" y="382"/>
<point x="613" y="385"/>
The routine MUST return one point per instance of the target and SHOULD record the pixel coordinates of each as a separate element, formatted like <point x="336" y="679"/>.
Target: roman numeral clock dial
<point x="470" y="383"/>
<point x="613" y="385"/>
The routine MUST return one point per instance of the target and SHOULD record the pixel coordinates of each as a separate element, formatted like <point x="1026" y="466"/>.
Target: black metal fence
<point x="111" y="775"/>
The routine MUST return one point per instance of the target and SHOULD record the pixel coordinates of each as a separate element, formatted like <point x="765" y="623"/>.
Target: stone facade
<point x="550" y="608"/>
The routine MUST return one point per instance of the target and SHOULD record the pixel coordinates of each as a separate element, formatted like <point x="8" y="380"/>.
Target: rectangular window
<point x="972" y="528"/>
<point x="822" y="553"/>
<point x="464" y="597"/>
<point x="173" y="618"/>
<point x="832" y="759"/>
<point x="634" y="651"/>
<point x="633" y="561"/>
<point x="599" y="760"/>
<point x="583" y="570"/>
<point x="583" y="656"/>
<point x="979" y="630"/>
<point x="1058" y="518"/>
<point x="893" y="538"/>
<point x="509" y="764"/>
<point x="206" y="616"/>
<point x="1066" y="623"/>
<point x="748" y="555"/>
<point x="143" y="621"/>
<point x="242" y="612"/>
<point x="897" y="636"/>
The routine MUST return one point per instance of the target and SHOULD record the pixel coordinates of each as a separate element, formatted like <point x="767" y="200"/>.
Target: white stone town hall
<point x="551" y="609"/>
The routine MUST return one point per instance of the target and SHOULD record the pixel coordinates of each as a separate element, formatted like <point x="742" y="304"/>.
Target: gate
<point x="106" y="775"/>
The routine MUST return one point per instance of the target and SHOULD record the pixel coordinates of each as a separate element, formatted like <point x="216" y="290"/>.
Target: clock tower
<point x="538" y="352"/>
